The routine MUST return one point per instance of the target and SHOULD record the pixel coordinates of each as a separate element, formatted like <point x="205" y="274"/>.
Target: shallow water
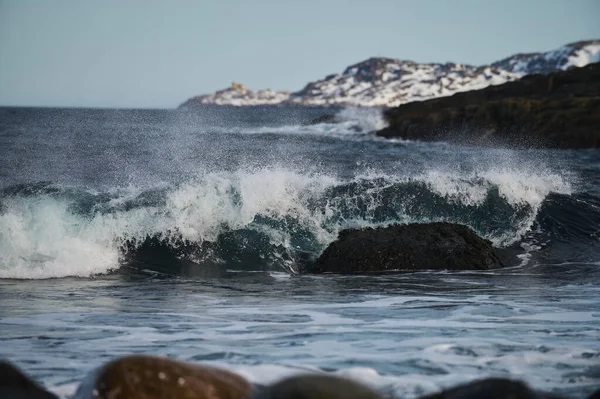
<point x="283" y="190"/>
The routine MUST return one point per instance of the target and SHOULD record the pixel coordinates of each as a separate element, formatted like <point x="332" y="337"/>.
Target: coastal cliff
<point x="558" y="110"/>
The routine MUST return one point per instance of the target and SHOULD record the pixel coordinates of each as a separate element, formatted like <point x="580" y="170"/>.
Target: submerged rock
<point x="431" y="246"/>
<point x="172" y="256"/>
<point x="14" y="384"/>
<point x="327" y="118"/>
<point x="147" y="377"/>
<point x="317" y="386"/>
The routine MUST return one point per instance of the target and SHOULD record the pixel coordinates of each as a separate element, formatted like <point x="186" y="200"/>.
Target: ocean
<point x="260" y="192"/>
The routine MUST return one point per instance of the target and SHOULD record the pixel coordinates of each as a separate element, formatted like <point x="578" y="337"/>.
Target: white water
<point x="42" y="236"/>
<point x="403" y="335"/>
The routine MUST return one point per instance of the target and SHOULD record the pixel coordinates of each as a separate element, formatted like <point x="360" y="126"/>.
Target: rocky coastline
<point x="387" y="82"/>
<point x="558" y="110"/>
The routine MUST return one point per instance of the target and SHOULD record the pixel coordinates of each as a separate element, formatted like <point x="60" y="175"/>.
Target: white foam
<point x="352" y="123"/>
<point x="367" y="119"/>
<point x="42" y="237"/>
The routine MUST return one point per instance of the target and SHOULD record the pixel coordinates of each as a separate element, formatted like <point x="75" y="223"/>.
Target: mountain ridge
<point x="388" y="82"/>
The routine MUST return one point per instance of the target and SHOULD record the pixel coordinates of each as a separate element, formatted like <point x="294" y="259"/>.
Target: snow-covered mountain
<point x="386" y="82"/>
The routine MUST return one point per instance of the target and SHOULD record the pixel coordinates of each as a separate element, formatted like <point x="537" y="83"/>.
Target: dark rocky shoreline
<point x="558" y="110"/>
<point x="150" y="377"/>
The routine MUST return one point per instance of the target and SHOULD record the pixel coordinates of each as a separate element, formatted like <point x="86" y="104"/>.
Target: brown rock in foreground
<point x="416" y="246"/>
<point x="147" y="377"/>
<point x="558" y="110"/>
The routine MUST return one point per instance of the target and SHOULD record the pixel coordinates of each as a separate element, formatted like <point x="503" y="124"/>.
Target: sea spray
<point x="63" y="232"/>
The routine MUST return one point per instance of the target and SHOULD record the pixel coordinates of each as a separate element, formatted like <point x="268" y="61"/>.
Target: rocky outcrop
<point x="327" y="118"/>
<point x="387" y="82"/>
<point x="428" y="246"/>
<point x="317" y="386"/>
<point x="148" y="377"/>
<point x="491" y="388"/>
<point x="16" y="385"/>
<point x="559" y="110"/>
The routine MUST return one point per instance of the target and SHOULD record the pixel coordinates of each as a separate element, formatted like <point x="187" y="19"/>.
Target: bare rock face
<point x="14" y="384"/>
<point x="430" y="246"/>
<point x="559" y="110"/>
<point x="317" y="386"/>
<point x="147" y="377"/>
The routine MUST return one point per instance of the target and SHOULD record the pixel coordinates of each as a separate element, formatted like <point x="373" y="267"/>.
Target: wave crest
<point x="263" y="219"/>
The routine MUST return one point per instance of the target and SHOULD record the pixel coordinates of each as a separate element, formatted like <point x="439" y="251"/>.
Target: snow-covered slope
<point x="386" y="82"/>
<point x="238" y="95"/>
<point x="572" y="55"/>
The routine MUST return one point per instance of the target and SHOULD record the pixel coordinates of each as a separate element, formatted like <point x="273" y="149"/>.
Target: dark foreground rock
<point x="595" y="395"/>
<point x="147" y="377"/>
<point x="430" y="246"/>
<point x="491" y="388"/>
<point x="315" y="387"/>
<point x="558" y="110"/>
<point x="14" y="384"/>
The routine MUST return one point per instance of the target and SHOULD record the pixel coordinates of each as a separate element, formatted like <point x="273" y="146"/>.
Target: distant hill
<point x="386" y="82"/>
<point x="557" y="110"/>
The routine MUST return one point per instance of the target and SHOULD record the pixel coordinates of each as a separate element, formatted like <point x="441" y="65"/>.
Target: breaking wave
<point x="347" y="123"/>
<point x="267" y="219"/>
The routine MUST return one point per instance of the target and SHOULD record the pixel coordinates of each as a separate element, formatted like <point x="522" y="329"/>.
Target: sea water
<point x="79" y="189"/>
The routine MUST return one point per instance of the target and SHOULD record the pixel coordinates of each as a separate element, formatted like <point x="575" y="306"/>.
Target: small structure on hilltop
<point x="238" y="86"/>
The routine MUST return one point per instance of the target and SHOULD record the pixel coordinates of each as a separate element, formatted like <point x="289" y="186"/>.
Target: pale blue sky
<point x="146" y="53"/>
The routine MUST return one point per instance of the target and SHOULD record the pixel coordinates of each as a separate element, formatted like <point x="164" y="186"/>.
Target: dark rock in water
<point x="171" y="255"/>
<point x="146" y="377"/>
<point x="327" y="118"/>
<point x="431" y="246"/>
<point x="490" y="388"/>
<point x="595" y="395"/>
<point x="14" y="384"/>
<point x="317" y="386"/>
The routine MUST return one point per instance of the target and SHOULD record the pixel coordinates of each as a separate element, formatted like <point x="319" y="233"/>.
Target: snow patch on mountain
<point x="386" y="82"/>
<point x="572" y="55"/>
<point x="238" y="95"/>
<point x="380" y="82"/>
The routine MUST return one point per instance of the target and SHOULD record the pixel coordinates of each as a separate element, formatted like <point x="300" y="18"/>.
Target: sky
<point x="156" y="54"/>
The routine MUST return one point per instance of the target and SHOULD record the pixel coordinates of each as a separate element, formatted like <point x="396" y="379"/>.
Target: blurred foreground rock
<point x="317" y="387"/>
<point x="14" y="384"/>
<point x="147" y="377"/>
